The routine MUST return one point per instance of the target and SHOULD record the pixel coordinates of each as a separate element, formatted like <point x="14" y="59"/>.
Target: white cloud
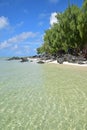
<point x="17" y="39"/>
<point x="3" y="22"/>
<point x="53" y="18"/>
<point x="54" y="1"/>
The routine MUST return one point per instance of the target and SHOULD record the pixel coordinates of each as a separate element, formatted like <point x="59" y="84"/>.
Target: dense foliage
<point x="70" y="31"/>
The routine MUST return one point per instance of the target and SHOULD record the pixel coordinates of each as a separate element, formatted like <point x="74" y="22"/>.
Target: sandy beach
<point x="67" y="63"/>
<point x="55" y="62"/>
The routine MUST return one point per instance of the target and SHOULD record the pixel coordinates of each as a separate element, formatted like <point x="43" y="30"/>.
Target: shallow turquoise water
<point x="42" y="97"/>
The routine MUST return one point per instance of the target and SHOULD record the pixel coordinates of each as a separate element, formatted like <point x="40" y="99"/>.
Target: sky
<point x="24" y="22"/>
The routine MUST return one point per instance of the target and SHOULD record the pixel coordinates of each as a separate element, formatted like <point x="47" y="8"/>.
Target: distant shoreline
<point x="55" y="62"/>
<point x="42" y="60"/>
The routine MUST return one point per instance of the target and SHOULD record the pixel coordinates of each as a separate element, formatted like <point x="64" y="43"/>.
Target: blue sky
<point x="23" y="22"/>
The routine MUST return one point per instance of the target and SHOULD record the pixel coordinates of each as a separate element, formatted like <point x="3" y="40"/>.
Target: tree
<point x="82" y="24"/>
<point x="69" y="32"/>
<point x="68" y="25"/>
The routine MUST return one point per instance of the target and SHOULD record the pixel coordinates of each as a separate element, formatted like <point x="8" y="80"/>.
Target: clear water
<point x="41" y="97"/>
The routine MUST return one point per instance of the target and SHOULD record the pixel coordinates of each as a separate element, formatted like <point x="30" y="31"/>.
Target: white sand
<point x="67" y="63"/>
<point x="55" y="62"/>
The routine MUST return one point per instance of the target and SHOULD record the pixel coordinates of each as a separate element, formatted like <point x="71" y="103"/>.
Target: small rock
<point x="41" y="62"/>
<point x="60" y="60"/>
<point x="24" y="59"/>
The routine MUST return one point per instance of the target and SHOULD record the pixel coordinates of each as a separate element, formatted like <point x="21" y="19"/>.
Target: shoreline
<point x="36" y="60"/>
<point x="49" y="61"/>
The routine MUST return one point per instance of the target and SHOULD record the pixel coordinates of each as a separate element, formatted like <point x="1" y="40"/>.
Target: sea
<point x="42" y="96"/>
<point x="24" y="102"/>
